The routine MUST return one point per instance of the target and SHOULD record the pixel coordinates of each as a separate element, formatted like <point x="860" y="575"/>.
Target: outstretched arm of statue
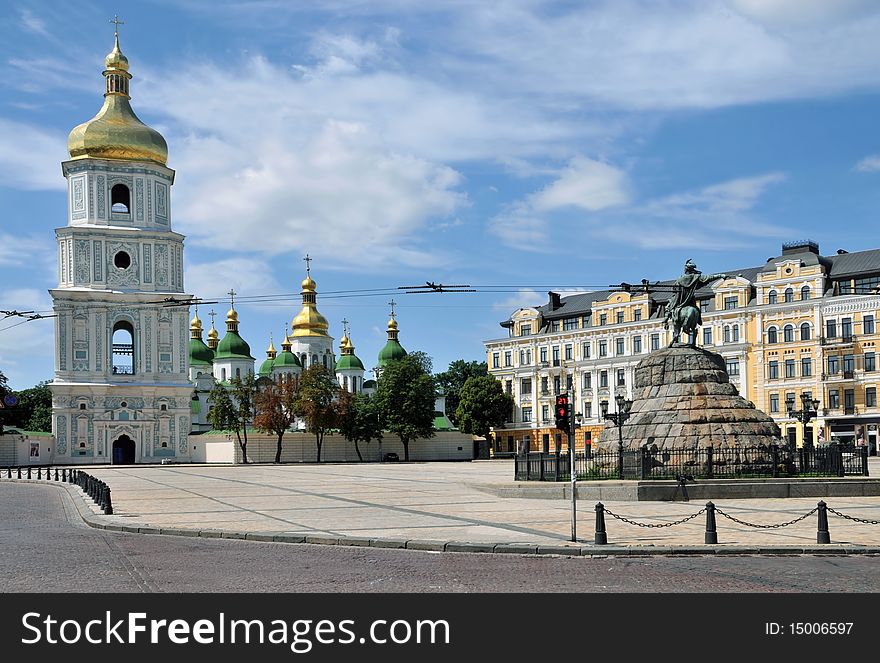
<point x="712" y="277"/>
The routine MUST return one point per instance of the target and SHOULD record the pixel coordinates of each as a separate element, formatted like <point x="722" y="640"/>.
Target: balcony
<point x="851" y="410"/>
<point x="847" y="339"/>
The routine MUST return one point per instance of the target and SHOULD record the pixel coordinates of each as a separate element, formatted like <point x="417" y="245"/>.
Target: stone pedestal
<point x="683" y="399"/>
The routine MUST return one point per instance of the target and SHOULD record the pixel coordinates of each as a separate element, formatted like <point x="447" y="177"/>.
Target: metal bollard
<point x="823" y="535"/>
<point x="601" y="537"/>
<point x="108" y="504"/>
<point x="8" y="472"/>
<point x="56" y="474"/>
<point x="63" y="475"/>
<point x="19" y="472"/>
<point x="39" y="472"/>
<point x="29" y="472"/>
<point x="711" y="533"/>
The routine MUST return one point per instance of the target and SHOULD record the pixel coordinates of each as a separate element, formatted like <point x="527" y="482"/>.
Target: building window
<point x="773" y="370"/>
<point x="588" y="380"/>
<point x="732" y="366"/>
<point x="637" y="314"/>
<point x="806" y="367"/>
<point x="867" y="285"/>
<point x="736" y="333"/>
<point x="557" y="384"/>
<point x="585" y="321"/>
<point x="618" y="346"/>
<point x="774" y="402"/>
<point x="543" y="355"/>
<point x="522" y="357"/>
<point x="569" y="383"/>
<point x="637" y="345"/>
<point x="805" y="292"/>
<point x="846" y="327"/>
<point x="525" y="386"/>
<point x="545" y="413"/>
<point x="771" y="335"/>
<point x="833" y="365"/>
<point x="527" y="415"/>
<point x="831" y="328"/>
<point x="588" y="410"/>
<point x="508" y="359"/>
<point x="771" y="298"/>
<point x="849" y="364"/>
<point x="569" y="324"/>
<point x="730" y="303"/>
<point x="619" y="317"/>
<point x="603" y="348"/>
<point x="525" y="330"/>
<point x="545" y="388"/>
<point x="569" y="352"/>
<point x="120" y="199"/>
<point x="603" y="319"/>
<point x="508" y="387"/>
<point x="603" y="379"/>
<point x="707" y="336"/>
<point x="870" y="364"/>
<point x="122" y="359"/>
<point x="833" y="399"/>
<point x="655" y="341"/>
<point x="585" y="350"/>
<point x="727" y="333"/>
<point x="871" y="397"/>
<point x="789" y="401"/>
<point x="789" y="368"/>
<point x="868" y="324"/>
<point x="704" y="305"/>
<point x="805" y="331"/>
<point x="556" y="355"/>
<point x="789" y="294"/>
<point x="554" y="326"/>
<point x="621" y="377"/>
<point x="788" y="333"/>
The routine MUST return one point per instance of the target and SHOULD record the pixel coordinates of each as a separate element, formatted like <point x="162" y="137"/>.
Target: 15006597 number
<point x="820" y="628"/>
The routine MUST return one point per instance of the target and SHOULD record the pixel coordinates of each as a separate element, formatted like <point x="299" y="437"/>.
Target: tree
<point x="483" y="405"/>
<point x="452" y="380"/>
<point x="232" y="410"/>
<point x="405" y="397"/>
<point x="275" y="407"/>
<point x="34" y="409"/>
<point x="244" y="391"/>
<point x="360" y="420"/>
<point x="316" y="402"/>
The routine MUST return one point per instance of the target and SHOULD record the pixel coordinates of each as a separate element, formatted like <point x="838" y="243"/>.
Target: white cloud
<point x="246" y="276"/>
<point x="33" y="23"/>
<point x="802" y="12"/>
<point x="869" y="164"/>
<point x="524" y="298"/>
<point x="29" y="156"/>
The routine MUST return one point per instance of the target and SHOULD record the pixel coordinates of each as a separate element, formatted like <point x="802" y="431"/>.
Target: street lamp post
<point x="618" y="418"/>
<point x="808" y="411"/>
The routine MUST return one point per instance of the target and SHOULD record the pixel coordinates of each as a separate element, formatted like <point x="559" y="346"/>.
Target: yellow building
<point x="800" y="323"/>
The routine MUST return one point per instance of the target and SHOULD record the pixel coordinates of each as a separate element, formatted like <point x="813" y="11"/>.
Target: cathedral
<point x="130" y="383"/>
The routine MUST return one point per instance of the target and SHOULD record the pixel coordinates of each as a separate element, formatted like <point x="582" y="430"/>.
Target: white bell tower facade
<point x="121" y="392"/>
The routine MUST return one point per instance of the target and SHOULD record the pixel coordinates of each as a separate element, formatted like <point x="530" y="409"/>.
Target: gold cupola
<point x="195" y="326"/>
<point x="213" y="334"/>
<point x="116" y="132"/>
<point x="309" y="322"/>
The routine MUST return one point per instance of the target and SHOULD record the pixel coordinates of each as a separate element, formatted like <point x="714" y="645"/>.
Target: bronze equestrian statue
<point x="682" y="309"/>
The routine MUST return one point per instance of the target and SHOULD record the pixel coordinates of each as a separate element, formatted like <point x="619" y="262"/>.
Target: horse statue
<point x="681" y="310"/>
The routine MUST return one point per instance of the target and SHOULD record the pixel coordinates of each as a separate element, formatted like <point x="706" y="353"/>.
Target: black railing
<point x="123" y="370"/>
<point x="707" y="463"/>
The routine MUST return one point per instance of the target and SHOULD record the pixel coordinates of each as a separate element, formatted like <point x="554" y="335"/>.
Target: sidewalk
<point x="451" y="507"/>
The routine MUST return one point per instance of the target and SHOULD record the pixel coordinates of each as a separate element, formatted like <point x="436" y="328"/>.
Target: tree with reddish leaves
<point x="276" y="408"/>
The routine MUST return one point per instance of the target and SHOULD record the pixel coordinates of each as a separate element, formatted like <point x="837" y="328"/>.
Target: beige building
<point x="800" y="323"/>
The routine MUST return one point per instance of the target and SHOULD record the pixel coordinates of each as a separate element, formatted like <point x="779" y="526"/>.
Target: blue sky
<point x="519" y="143"/>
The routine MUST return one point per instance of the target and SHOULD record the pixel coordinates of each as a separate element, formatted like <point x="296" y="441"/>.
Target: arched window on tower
<point x="123" y="348"/>
<point x="771" y="298"/>
<point x="120" y="199"/>
<point x="805" y="292"/>
<point x="314" y="359"/>
<point x="789" y="294"/>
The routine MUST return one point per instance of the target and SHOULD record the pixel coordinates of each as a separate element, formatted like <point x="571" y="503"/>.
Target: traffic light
<point x="563" y="412"/>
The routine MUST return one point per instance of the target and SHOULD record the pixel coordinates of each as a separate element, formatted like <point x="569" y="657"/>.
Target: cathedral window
<point x="120" y="199"/>
<point x="123" y="348"/>
<point x="122" y="260"/>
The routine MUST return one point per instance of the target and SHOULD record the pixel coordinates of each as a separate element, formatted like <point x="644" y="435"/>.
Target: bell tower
<point x="121" y="392"/>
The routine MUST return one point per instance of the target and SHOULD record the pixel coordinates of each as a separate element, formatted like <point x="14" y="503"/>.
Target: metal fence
<point x="705" y="463"/>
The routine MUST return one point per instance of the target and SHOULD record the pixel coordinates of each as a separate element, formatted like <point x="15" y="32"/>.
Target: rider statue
<point x="682" y="308"/>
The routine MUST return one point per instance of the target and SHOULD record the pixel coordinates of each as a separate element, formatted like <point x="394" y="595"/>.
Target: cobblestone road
<point x="45" y="547"/>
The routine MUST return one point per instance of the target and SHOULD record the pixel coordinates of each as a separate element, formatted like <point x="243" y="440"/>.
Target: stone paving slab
<point x="446" y="507"/>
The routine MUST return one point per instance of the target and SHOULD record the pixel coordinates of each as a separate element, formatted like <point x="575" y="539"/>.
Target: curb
<point x="532" y="549"/>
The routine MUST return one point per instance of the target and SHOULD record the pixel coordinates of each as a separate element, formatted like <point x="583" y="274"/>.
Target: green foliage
<point x="224" y="414"/>
<point x="275" y="408"/>
<point x="33" y="411"/>
<point x="360" y="420"/>
<point x="452" y="380"/>
<point x="405" y="396"/>
<point x="483" y="405"/>
<point x="316" y="404"/>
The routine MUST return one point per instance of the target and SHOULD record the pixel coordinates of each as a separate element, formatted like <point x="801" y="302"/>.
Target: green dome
<point x="286" y="359"/>
<point x="199" y="353"/>
<point x="350" y="363"/>
<point x="266" y="367"/>
<point x="233" y="346"/>
<point x="392" y="351"/>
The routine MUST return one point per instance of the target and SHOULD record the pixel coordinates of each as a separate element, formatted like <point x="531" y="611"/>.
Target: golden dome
<point x="345" y="344"/>
<point x="213" y="333"/>
<point x="308" y="284"/>
<point x="116" y="132"/>
<point x="195" y="326"/>
<point x="231" y="315"/>
<point x="392" y="324"/>
<point x="271" y="347"/>
<point x="309" y="322"/>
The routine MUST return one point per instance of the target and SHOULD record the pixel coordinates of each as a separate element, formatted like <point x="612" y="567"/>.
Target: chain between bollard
<point x="852" y="518"/>
<point x="654" y="525"/>
<point x="759" y="526"/>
